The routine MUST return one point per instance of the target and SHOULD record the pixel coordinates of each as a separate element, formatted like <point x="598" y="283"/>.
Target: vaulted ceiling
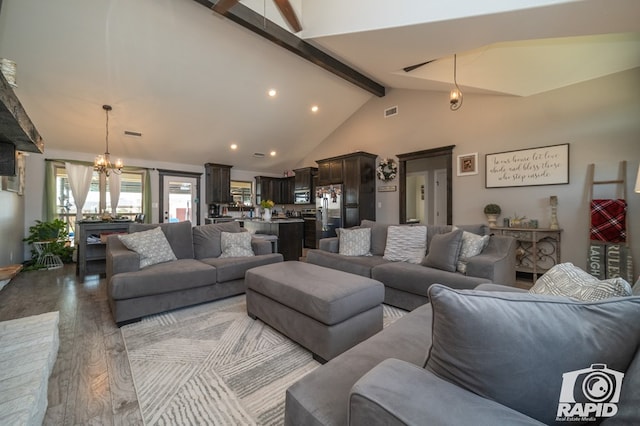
<point x="193" y="82"/>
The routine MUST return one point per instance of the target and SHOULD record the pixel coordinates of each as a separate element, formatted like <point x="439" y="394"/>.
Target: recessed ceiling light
<point x="314" y="108"/>
<point x="272" y="92"/>
<point x="233" y="146"/>
<point x="272" y="153"/>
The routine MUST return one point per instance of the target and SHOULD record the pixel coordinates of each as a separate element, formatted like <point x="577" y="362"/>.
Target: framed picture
<point x="468" y="164"/>
<point x="15" y="183"/>
<point x="546" y="165"/>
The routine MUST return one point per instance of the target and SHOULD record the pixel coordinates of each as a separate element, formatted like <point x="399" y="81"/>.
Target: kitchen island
<point x="290" y="233"/>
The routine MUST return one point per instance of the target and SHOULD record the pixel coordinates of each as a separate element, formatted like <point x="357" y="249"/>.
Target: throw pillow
<point x="206" y="238"/>
<point x="355" y="242"/>
<point x="151" y="245"/>
<point x="565" y="279"/>
<point x="515" y="348"/>
<point x="406" y="243"/>
<point x="236" y="244"/>
<point x="472" y="245"/>
<point x="444" y="251"/>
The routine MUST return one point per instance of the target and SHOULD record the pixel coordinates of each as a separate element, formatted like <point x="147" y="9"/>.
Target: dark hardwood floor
<point x="91" y="381"/>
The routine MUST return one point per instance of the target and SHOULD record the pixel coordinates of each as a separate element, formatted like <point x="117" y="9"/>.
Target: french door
<point x="179" y="197"/>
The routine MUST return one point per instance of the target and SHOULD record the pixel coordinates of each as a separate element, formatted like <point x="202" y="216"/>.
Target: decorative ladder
<point x="609" y="249"/>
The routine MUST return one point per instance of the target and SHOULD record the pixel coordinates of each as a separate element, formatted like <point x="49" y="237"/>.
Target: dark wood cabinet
<point x="218" y="183"/>
<point x="357" y="173"/>
<point x="330" y="171"/>
<point x="309" y="233"/>
<point x="304" y="177"/>
<point x="290" y="235"/>
<point x="278" y="190"/>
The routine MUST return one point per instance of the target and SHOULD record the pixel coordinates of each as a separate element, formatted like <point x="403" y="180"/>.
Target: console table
<point x="538" y="249"/>
<point x="91" y="244"/>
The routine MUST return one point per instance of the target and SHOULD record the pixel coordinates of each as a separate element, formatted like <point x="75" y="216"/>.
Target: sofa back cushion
<point x="526" y="351"/>
<point x="378" y="236"/>
<point x="178" y="235"/>
<point x="206" y="238"/>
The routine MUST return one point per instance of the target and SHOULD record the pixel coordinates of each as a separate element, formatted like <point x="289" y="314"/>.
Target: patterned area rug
<point x="213" y="365"/>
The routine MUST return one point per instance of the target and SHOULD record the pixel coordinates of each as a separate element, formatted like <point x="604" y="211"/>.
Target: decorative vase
<point x="267" y="215"/>
<point x="492" y="218"/>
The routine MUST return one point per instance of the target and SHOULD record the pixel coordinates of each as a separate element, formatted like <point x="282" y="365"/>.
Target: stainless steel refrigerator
<point x="328" y="211"/>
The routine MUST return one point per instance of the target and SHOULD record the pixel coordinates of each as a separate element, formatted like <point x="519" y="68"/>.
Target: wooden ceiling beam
<point x="258" y="24"/>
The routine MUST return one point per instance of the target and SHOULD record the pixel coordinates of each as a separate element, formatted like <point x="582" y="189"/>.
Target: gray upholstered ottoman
<point x="324" y="310"/>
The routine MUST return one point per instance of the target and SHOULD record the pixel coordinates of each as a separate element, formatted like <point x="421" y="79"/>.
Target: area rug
<point x="213" y="365"/>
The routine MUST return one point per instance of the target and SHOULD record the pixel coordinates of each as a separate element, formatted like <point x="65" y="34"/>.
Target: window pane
<point x="130" y="202"/>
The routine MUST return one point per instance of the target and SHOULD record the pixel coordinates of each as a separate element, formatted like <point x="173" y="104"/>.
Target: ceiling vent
<point x="258" y="154"/>
<point x="391" y="111"/>
<point x="132" y="133"/>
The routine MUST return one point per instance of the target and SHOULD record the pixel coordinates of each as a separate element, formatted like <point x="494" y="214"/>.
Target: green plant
<point x="492" y="209"/>
<point x="55" y="232"/>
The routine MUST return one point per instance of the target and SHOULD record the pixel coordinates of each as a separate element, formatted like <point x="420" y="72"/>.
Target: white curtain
<point x="79" y="181"/>
<point x="114" y="192"/>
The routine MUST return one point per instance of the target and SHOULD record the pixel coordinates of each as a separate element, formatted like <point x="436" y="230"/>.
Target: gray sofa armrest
<point x="497" y="262"/>
<point x="260" y="246"/>
<point x="400" y="393"/>
<point x="119" y="258"/>
<point x="330" y="244"/>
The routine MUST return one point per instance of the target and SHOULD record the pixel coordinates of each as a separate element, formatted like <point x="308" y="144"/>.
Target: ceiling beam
<point x="242" y="15"/>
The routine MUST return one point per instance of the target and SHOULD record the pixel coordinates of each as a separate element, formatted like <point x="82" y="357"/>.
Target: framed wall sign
<point x="547" y="165"/>
<point x="468" y="164"/>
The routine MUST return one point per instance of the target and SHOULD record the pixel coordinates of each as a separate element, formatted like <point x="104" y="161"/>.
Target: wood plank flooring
<point x="91" y="381"/>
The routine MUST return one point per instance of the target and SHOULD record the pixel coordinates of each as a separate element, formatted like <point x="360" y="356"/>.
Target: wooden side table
<point x="538" y="249"/>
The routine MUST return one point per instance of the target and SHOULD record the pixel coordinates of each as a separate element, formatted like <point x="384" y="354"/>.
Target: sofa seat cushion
<point x="234" y="268"/>
<point x="358" y="265"/>
<point x="417" y="279"/>
<point x="166" y="277"/>
<point x="534" y="353"/>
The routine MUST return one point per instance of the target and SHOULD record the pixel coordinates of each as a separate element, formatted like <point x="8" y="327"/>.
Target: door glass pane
<point x="179" y="200"/>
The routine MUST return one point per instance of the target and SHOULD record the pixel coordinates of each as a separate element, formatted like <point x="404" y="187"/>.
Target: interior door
<point x="179" y="199"/>
<point x="440" y="191"/>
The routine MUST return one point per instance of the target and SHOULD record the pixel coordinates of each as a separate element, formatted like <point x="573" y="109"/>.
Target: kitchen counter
<point x="290" y="232"/>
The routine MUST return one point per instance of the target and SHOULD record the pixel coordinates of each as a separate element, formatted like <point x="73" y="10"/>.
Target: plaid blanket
<point x="608" y="220"/>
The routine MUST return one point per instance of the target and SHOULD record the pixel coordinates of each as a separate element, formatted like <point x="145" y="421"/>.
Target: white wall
<point x="599" y="119"/>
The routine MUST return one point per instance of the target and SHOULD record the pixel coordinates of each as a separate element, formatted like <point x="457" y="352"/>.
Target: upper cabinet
<point x="330" y="171"/>
<point x="218" y="183"/>
<point x="304" y="177"/>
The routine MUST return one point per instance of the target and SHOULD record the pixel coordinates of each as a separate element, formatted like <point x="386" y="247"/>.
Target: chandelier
<point x="102" y="163"/>
<point x="455" y="98"/>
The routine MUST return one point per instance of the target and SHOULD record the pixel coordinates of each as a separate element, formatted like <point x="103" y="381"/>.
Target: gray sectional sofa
<point x="198" y="274"/>
<point x="495" y="355"/>
<point x="406" y="284"/>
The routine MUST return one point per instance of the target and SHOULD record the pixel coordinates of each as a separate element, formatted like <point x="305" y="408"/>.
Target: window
<point x="98" y="200"/>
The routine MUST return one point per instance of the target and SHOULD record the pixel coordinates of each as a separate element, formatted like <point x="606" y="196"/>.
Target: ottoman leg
<point x="253" y="317"/>
<point x="319" y="358"/>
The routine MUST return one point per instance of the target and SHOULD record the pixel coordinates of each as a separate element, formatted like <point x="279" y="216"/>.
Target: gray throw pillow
<point x="355" y="242"/>
<point x="206" y="238"/>
<point x="518" y="348"/>
<point x="152" y="246"/>
<point x="472" y="245"/>
<point x="236" y="244"/>
<point x="406" y="243"/>
<point x="565" y="279"/>
<point x="444" y="251"/>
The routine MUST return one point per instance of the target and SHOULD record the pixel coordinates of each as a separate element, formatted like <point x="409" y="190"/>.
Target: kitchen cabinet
<point x="304" y="177"/>
<point x="310" y="232"/>
<point x="279" y="190"/>
<point x="357" y="176"/>
<point x="330" y="171"/>
<point x="218" y="183"/>
<point x="290" y="233"/>
<point x="90" y="242"/>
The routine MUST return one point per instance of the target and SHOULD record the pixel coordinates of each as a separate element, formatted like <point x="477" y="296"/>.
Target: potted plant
<point x="267" y="205"/>
<point x="492" y="211"/>
<point x="55" y="234"/>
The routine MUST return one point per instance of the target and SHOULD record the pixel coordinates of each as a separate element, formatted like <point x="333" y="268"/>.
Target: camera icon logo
<point x="590" y="392"/>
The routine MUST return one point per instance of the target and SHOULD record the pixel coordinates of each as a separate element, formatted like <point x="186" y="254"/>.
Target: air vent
<point x="131" y="133"/>
<point x="258" y="154"/>
<point x="391" y="111"/>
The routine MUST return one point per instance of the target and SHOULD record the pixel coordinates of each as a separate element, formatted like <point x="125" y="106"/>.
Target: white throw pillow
<point x="236" y="244"/>
<point x="472" y="245"/>
<point x="355" y="242"/>
<point x="406" y="243"/>
<point x="568" y="280"/>
<point x="151" y="245"/>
